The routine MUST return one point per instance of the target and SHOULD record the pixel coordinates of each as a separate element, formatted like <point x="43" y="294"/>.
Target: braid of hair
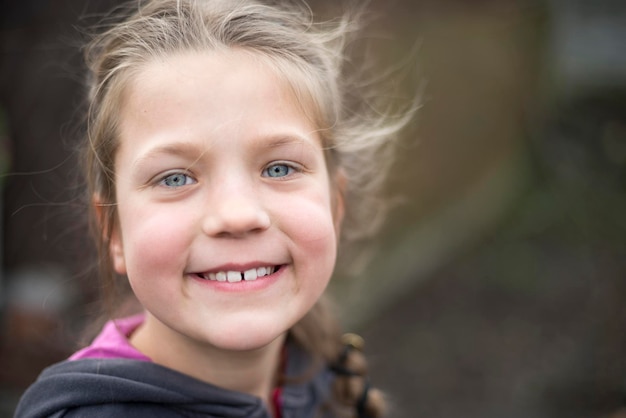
<point x="352" y="396"/>
<point x="352" y="386"/>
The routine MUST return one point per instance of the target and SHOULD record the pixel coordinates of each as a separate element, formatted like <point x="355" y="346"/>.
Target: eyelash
<point x="291" y="167"/>
<point x="188" y="179"/>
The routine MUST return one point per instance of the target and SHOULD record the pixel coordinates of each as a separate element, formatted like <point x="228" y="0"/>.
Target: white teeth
<point x="233" y="276"/>
<point x="237" y="276"/>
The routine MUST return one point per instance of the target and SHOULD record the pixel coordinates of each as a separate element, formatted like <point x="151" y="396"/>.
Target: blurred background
<point x="498" y="288"/>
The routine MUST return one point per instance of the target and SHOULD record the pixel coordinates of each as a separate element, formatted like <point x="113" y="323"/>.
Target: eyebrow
<point x="282" y="140"/>
<point x="194" y="151"/>
<point x="183" y="149"/>
<point x="186" y="150"/>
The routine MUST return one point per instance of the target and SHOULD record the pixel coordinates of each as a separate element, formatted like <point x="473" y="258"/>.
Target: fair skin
<point x="227" y="220"/>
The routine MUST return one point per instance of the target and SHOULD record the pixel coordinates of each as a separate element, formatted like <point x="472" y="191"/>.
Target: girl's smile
<point x="226" y="217"/>
<point x="252" y="279"/>
<point x="237" y="274"/>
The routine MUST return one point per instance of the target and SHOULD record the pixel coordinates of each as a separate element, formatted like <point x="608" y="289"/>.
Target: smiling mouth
<point x="238" y="276"/>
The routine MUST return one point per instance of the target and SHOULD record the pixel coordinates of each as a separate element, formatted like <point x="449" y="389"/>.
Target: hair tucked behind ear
<point x="358" y="135"/>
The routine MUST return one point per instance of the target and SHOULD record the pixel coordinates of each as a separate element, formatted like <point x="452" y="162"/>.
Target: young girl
<point x="224" y="161"/>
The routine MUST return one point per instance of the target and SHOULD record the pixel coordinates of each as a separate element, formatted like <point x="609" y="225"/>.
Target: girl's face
<point x="227" y="230"/>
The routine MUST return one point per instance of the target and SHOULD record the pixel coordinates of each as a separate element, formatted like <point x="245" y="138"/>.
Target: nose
<point x="235" y="210"/>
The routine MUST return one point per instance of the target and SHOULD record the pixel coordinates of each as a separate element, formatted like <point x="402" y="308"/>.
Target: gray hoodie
<point x="130" y="388"/>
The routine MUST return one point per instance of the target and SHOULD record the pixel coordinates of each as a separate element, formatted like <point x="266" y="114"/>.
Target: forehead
<point x="187" y="74"/>
<point x="232" y="67"/>
<point x="214" y="95"/>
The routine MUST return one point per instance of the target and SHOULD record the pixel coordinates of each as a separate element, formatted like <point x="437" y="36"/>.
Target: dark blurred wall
<point x="523" y="312"/>
<point x="45" y="248"/>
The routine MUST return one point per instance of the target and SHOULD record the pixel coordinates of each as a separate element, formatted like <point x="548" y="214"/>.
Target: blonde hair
<point x="311" y="57"/>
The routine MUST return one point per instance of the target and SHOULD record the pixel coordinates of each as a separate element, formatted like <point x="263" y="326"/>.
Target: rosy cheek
<point x="309" y="225"/>
<point x="157" y="238"/>
<point x="308" y="217"/>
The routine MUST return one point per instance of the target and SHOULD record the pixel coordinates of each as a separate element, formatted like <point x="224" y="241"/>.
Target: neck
<point x="251" y="371"/>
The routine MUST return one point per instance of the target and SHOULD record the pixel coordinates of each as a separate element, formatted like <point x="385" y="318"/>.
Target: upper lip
<point x="241" y="267"/>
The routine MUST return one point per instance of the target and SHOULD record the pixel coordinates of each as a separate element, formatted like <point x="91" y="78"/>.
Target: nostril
<point x="235" y="219"/>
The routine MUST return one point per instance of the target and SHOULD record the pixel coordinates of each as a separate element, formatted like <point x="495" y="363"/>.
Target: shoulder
<point x="135" y="410"/>
<point x="122" y="387"/>
<point x="83" y="388"/>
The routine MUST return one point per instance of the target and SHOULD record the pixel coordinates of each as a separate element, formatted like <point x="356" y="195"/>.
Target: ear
<point x="109" y="227"/>
<point x="339" y="208"/>
<point x="116" y="249"/>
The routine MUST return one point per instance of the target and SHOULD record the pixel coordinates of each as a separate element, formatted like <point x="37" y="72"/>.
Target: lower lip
<point x="244" y="285"/>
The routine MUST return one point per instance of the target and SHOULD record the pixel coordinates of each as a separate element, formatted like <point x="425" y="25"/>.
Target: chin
<point x="248" y="339"/>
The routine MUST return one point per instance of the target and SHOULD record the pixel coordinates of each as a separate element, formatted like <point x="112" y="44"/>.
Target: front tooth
<point x="233" y="276"/>
<point x="220" y="276"/>
<point x="250" y="274"/>
<point x="260" y="272"/>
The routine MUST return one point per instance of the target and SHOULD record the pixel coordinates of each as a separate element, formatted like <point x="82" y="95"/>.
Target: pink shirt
<point x="112" y="342"/>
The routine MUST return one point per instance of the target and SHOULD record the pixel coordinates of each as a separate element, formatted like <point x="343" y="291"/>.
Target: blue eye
<point x="177" y="180"/>
<point x="278" y="170"/>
